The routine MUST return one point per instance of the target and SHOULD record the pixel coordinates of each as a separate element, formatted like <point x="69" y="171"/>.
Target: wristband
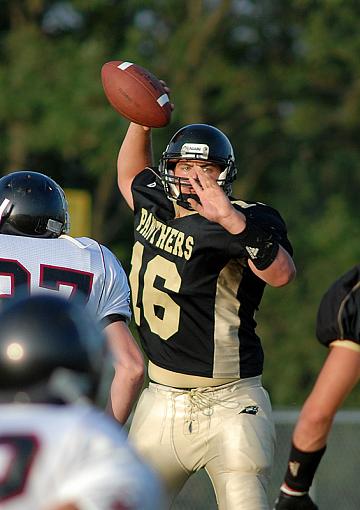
<point x="259" y="245"/>
<point x="290" y="492"/>
<point x="301" y="468"/>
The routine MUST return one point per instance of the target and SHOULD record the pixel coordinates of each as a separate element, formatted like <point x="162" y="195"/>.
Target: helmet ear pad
<point x="196" y="141"/>
<point x="33" y="205"/>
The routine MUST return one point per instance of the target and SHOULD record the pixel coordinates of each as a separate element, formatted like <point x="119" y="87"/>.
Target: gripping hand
<point x="286" y="502"/>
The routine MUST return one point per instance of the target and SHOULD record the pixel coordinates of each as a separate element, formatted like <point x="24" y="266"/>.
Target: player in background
<point x="37" y="252"/>
<point x="200" y="262"/>
<point x="57" y="451"/>
<point x="338" y="328"/>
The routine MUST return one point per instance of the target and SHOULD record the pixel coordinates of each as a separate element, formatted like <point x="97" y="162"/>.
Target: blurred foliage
<point x="280" y="77"/>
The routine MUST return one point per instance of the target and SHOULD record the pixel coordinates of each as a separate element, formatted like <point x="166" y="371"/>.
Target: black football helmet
<point x="32" y="205"/>
<point x="49" y="349"/>
<point x="196" y="141"/>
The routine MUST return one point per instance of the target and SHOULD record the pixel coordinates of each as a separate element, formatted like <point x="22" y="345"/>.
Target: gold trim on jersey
<point x="180" y="212"/>
<point x="348" y="344"/>
<point x="342" y="307"/>
<point x="178" y="380"/>
<point x="243" y="204"/>
<point x="227" y="322"/>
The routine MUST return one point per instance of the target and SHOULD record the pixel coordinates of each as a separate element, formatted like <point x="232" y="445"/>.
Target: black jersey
<point x="339" y="311"/>
<point x="194" y="296"/>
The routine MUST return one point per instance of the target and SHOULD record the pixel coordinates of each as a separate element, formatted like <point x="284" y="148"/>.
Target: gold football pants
<point x="227" y="430"/>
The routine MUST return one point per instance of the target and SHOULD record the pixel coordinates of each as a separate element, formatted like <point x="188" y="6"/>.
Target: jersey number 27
<point x="51" y="277"/>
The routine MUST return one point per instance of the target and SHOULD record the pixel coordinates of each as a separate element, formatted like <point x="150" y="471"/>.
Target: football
<point x="136" y="93"/>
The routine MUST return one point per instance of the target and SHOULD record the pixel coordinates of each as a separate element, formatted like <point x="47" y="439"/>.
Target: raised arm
<point x="134" y="155"/>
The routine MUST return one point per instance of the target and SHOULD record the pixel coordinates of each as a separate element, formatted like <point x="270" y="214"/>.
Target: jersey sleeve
<point x="115" y="300"/>
<point x="338" y="317"/>
<point x="147" y="190"/>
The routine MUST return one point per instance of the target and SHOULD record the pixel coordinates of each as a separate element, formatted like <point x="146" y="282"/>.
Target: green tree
<point x="280" y="77"/>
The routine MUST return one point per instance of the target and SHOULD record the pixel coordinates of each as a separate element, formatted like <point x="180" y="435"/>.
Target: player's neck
<point x="180" y="212"/>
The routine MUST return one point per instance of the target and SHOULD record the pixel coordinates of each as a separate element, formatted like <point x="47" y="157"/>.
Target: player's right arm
<point x="129" y="371"/>
<point x="114" y="313"/>
<point x="134" y="155"/>
<point x="338" y="328"/>
<point x="339" y="375"/>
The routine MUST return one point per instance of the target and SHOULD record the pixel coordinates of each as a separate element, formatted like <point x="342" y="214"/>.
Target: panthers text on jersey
<point x="69" y="266"/>
<point x="338" y="319"/>
<point x="56" y="454"/>
<point x="194" y="296"/>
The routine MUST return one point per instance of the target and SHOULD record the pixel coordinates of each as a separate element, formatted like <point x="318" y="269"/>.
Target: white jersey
<point x="50" y="455"/>
<point x="65" y="265"/>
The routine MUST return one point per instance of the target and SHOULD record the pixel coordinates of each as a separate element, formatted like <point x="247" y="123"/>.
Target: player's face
<point x="188" y="168"/>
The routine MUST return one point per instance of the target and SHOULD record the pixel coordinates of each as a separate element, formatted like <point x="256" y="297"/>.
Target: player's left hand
<point x="214" y="204"/>
<point x="286" y="502"/>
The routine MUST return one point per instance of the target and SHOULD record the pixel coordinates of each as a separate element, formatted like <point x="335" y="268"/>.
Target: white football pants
<point x="228" y="430"/>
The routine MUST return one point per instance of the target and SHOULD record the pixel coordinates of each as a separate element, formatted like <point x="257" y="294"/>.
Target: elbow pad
<point x="260" y="246"/>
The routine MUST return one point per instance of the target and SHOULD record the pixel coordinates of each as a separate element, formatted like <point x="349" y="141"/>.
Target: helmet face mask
<point x="196" y="142"/>
<point x="32" y="205"/>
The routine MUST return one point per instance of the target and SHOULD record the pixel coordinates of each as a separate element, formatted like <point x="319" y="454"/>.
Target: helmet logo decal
<point x="195" y="150"/>
<point x="54" y="226"/>
<point x="4" y="207"/>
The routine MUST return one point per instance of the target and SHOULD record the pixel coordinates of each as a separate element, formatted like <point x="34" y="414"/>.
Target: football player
<point x="57" y="451"/>
<point x="200" y="262"/>
<point x="36" y="252"/>
<point x="338" y="327"/>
